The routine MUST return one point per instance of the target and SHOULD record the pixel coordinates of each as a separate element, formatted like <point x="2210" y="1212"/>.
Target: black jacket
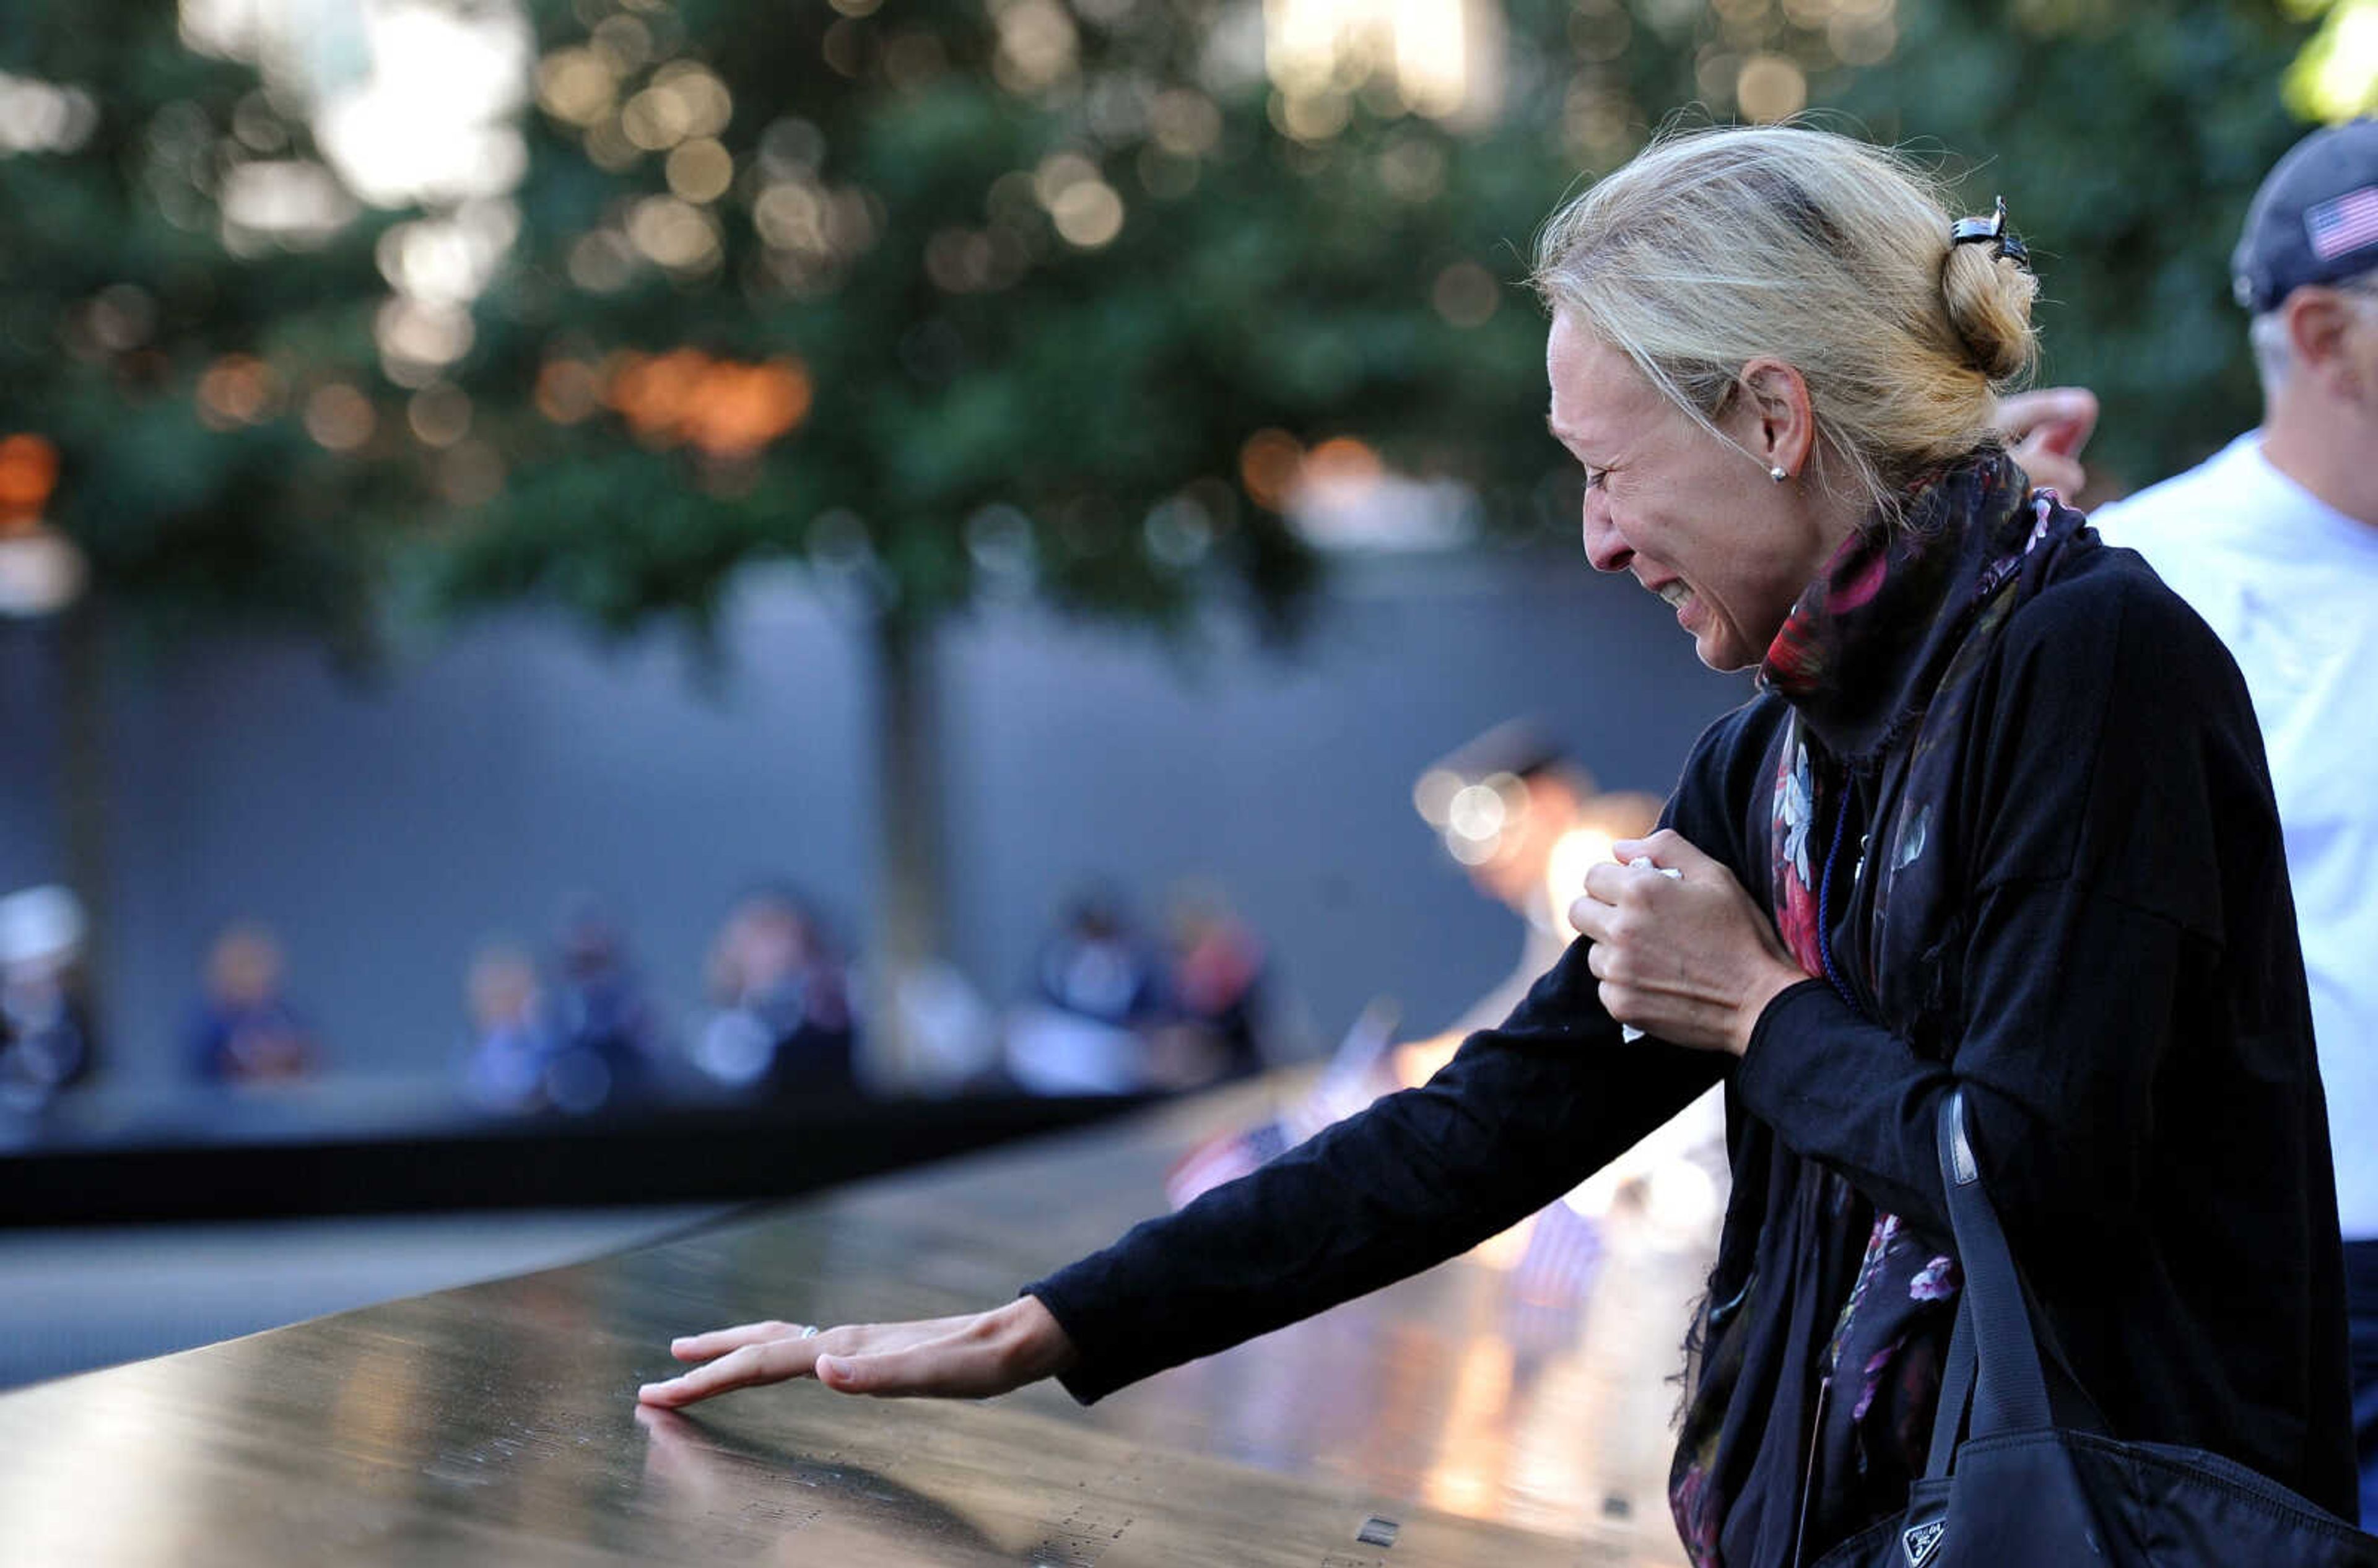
<point x="2100" y="946"/>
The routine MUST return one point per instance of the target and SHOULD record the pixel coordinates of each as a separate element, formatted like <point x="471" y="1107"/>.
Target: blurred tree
<point x="959" y="302"/>
<point x="185" y="336"/>
<point x="2336" y="76"/>
<point x="967" y="300"/>
<point x="187" y="298"/>
<point x="2128" y="136"/>
<point x="962" y="299"/>
<point x="997" y="292"/>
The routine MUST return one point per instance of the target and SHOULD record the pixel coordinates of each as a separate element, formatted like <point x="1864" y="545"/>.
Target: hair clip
<point x="2009" y="244"/>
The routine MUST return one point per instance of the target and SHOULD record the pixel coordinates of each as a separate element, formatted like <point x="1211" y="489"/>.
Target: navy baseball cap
<point x="2315" y="220"/>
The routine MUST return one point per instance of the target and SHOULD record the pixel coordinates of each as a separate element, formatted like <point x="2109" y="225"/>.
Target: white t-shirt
<point x="2292" y="585"/>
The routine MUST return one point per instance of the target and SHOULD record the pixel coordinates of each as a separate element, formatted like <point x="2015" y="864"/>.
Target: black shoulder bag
<point x="2019" y="1493"/>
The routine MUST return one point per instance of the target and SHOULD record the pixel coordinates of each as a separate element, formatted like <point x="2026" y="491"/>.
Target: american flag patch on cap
<point x="2345" y="224"/>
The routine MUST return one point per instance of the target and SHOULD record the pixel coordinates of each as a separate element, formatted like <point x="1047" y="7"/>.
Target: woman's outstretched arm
<point x="1519" y="1116"/>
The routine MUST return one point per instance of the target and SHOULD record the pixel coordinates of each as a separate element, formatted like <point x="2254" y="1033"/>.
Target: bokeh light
<point x="431" y="119"/>
<point x="28" y="472"/>
<point x="2336" y="76"/>
<point x="624" y="44"/>
<point x="1184" y="122"/>
<point x="439" y="414"/>
<point x="701" y="170"/>
<point x="1038" y="47"/>
<point x="1771" y="88"/>
<point x="235" y="390"/>
<point x="418" y="338"/>
<point x="675" y="234"/>
<point x="1178" y="532"/>
<point x="722" y="408"/>
<point x="340" y="417"/>
<point x="567" y="390"/>
<point x="40" y="116"/>
<point x="1087" y="214"/>
<point x="1270" y="464"/>
<point x="579" y="86"/>
<point x="1440" y="58"/>
<point x="1341" y="460"/>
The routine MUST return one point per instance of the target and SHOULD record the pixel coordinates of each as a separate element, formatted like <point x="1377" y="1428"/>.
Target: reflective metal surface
<point x="1466" y="1416"/>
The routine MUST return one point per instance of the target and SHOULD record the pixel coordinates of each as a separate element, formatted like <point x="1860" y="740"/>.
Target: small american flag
<point x="2345" y="224"/>
<point x="1563" y="1258"/>
<point x="1358" y="1073"/>
<point x="1223" y="1159"/>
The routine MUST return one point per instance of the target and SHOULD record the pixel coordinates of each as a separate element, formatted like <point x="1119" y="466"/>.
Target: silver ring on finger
<point x="811" y="1332"/>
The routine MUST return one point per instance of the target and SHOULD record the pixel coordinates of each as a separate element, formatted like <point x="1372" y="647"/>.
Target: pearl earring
<point x="1777" y="474"/>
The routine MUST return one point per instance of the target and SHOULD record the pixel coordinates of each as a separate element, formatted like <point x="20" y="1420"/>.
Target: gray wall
<point x="388" y="830"/>
<point x="30" y="674"/>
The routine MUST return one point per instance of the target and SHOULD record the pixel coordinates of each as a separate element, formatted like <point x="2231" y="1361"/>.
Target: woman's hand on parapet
<point x="1681" y="951"/>
<point x="972" y="1357"/>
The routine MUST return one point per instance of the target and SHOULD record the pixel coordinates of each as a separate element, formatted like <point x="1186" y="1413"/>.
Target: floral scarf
<point x="1812" y="1406"/>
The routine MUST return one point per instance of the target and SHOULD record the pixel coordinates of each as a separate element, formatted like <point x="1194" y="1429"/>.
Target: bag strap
<point x="1992" y="1351"/>
<point x="1956" y="1388"/>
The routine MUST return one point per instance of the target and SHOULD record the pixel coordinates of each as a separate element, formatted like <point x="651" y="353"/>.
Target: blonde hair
<point x="1712" y="248"/>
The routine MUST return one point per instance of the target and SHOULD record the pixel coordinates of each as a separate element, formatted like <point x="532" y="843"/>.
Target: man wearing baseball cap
<point x="2274" y="542"/>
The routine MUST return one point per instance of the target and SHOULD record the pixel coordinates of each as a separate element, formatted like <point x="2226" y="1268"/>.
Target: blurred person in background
<point x="954" y="1035"/>
<point x="509" y="1055"/>
<point x="246" y="1030"/>
<point x="2274" y="541"/>
<point x="1216" y="985"/>
<point x="47" y="1039"/>
<point x="607" y="1041"/>
<point x="1098" y="996"/>
<point x="1522" y="818"/>
<point x="1996" y="825"/>
<point x="782" y="1028"/>
<point x="1524" y="822"/>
